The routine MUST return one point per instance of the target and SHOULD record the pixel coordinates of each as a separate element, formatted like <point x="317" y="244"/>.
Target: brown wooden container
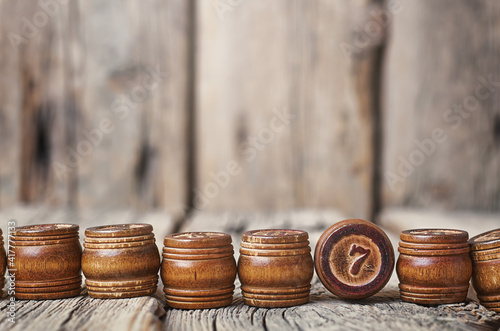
<point x="47" y="261"/>
<point x="3" y="263"/>
<point x="485" y="253"/>
<point x="275" y="268"/>
<point x="198" y="270"/>
<point x="354" y="259"/>
<point x="434" y="266"/>
<point x="120" y="261"/>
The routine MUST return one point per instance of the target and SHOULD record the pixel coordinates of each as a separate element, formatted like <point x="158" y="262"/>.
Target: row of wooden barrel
<point x="354" y="259"/>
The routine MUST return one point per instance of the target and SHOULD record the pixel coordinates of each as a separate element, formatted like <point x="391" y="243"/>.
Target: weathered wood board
<point x="441" y="114"/>
<point x="383" y="311"/>
<point x="281" y="104"/>
<point x="9" y="110"/>
<point x="95" y="103"/>
<point x="134" y="99"/>
<point x="36" y="125"/>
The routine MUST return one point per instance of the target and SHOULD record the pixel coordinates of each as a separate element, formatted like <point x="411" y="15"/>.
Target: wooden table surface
<point x="383" y="311"/>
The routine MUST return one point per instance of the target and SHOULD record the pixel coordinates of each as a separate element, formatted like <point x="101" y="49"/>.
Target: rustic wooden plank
<point x="259" y="59"/>
<point x="9" y="109"/>
<point x="384" y="311"/>
<point x="84" y="312"/>
<point x="134" y="104"/>
<point x="441" y="116"/>
<point x="34" y="113"/>
<point x="169" y="128"/>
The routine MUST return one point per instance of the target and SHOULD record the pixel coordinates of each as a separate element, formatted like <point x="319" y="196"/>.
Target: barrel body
<point x="485" y="253"/>
<point x="198" y="270"/>
<point x="120" y="261"/>
<point x="434" y="266"/>
<point x="47" y="260"/>
<point x="275" y="268"/>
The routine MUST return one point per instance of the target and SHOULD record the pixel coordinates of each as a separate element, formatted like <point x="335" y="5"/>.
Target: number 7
<point x="356" y="266"/>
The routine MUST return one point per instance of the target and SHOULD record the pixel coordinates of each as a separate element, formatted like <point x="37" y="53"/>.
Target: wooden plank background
<point x="95" y="103"/>
<point x="435" y="84"/>
<point x="177" y="104"/>
<point x="260" y="59"/>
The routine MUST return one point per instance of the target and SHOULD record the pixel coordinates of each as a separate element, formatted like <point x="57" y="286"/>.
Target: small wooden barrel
<point x="275" y="268"/>
<point x="198" y="270"/>
<point x="485" y="252"/>
<point x="3" y="263"/>
<point x="120" y="261"/>
<point x="47" y="261"/>
<point x="434" y="266"/>
<point x="354" y="259"/>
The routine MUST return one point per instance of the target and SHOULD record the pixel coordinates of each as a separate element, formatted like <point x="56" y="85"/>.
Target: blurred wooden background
<point x="250" y="105"/>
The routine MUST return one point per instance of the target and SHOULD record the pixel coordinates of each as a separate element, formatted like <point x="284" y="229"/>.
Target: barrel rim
<point x="48" y="229"/>
<point x="119" y="230"/>
<point x="274" y="236"/>
<point x="486" y="240"/>
<point x="434" y="236"/>
<point x="197" y="239"/>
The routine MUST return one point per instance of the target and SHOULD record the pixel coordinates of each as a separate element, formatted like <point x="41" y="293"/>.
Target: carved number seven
<point x="356" y="266"/>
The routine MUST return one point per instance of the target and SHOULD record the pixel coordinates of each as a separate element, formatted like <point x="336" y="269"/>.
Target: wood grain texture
<point x="85" y="313"/>
<point x="47" y="261"/>
<point x="135" y="95"/>
<point x="325" y="312"/>
<point x="94" y="104"/>
<point x="10" y="135"/>
<point x="430" y="274"/>
<point x="120" y="261"/>
<point x="257" y="58"/>
<point x="35" y="119"/>
<point x="275" y="268"/>
<point x="198" y="270"/>
<point x="384" y="311"/>
<point x="485" y="268"/>
<point x="436" y="82"/>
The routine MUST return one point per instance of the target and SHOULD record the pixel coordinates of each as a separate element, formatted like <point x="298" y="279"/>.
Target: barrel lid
<point x="354" y="259"/>
<point x="37" y="230"/>
<point x="486" y="240"/>
<point x="274" y="236"/>
<point x="434" y="236"/>
<point x="119" y="230"/>
<point x="197" y="240"/>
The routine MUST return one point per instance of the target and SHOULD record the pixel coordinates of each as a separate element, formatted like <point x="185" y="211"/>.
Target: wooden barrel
<point x="485" y="253"/>
<point x="47" y="260"/>
<point x="198" y="270"/>
<point x="120" y="261"/>
<point x="434" y="266"/>
<point x="275" y="268"/>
